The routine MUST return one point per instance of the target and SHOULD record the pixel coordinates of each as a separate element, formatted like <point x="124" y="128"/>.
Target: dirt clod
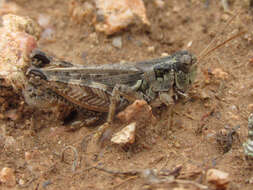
<point x="217" y="177"/>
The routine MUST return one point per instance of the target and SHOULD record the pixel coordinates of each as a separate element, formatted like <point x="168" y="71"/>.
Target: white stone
<point x="126" y="135"/>
<point x="164" y="54"/>
<point x="151" y="49"/>
<point x="44" y="20"/>
<point x="117" y="42"/>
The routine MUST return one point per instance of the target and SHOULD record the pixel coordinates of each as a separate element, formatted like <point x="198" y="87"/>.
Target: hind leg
<point x="86" y="118"/>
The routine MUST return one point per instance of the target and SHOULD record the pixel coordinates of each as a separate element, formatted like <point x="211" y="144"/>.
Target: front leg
<point x="118" y="92"/>
<point x="85" y="118"/>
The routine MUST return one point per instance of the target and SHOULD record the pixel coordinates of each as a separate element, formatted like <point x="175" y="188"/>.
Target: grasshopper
<point x="109" y="88"/>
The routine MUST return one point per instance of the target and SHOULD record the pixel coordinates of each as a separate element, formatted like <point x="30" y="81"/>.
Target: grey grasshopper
<point x="107" y="88"/>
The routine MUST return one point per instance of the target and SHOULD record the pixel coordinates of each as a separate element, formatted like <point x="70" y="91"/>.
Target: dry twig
<point x="150" y="175"/>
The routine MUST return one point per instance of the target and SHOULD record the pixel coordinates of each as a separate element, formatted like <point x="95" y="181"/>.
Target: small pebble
<point x="189" y="44"/>
<point x="220" y="74"/>
<point x="7" y="177"/>
<point x="28" y="156"/>
<point x="123" y="61"/>
<point x="21" y="182"/>
<point x="117" y="42"/>
<point x="44" y="20"/>
<point x="233" y="108"/>
<point x="224" y="17"/>
<point x="159" y="3"/>
<point x="177" y="145"/>
<point x="113" y="16"/>
<point x="151" y="49"/>
<point x="219" y="178"/>
<point x="250" y="107"/>
<point x="164" y="54"/>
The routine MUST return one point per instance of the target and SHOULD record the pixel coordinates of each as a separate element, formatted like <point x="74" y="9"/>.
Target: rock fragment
<point x="126" y="135"/>
<point x="18" y="38"/>
<point x="164" y="54"/>
<point x="44" y="20"/>
<point x="219" y="178"/>
<point x="135" y="111"/>
<point x="250" y="107"/>
<point x="220" y="74"/>
<point x="117" y="42"/>
<point x="14" y="23"/>
<point x="7" y="177"/>
<point x="21" y="182"/>
<point x="159" y="3"/>
<point x="151" y="49"/>
<point x="112" y="16"/>
<point x="80" y="11"/>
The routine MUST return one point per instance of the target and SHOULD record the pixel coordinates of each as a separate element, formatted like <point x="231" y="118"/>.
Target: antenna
<point x="206" y="52"/>
<point x="221" y="44"/>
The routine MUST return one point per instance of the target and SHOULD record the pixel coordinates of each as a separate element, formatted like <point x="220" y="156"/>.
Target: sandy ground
<point x="219" y="102"/>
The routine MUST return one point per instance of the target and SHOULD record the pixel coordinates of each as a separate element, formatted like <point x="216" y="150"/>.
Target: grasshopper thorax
<point x="179" y="70"/>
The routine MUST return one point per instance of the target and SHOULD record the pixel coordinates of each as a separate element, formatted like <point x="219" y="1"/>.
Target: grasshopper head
<point x="178" y="70"/>
<point x="186" y="70"/>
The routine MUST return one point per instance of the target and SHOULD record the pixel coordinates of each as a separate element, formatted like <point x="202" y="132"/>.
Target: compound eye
<point x="187" y="59"/>
<point x="37" y="73"/>
<point x="39" y="58"/>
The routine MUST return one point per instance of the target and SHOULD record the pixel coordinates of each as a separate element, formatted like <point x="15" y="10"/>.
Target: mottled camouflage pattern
<point x="158" y="81"/>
